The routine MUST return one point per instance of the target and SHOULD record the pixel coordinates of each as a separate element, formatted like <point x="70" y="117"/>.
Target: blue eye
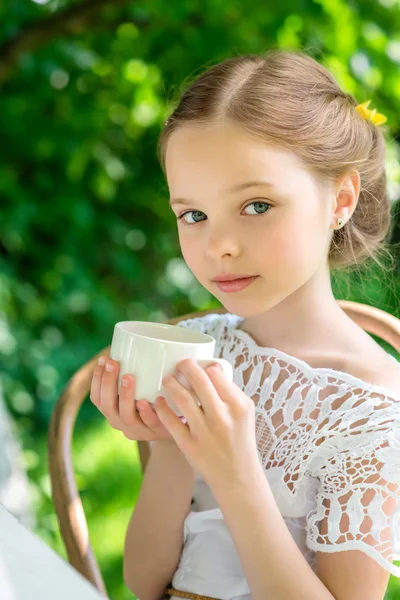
<point x="258" y="202"/>
<point x="187" y="213"/>
<point x="198" y="212"/>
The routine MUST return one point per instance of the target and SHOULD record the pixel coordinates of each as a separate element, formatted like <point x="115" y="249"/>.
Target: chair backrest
<point x="67" y="502"/>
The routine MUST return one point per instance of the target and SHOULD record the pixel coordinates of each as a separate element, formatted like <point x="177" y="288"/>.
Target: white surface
<point x="14" y="485"/>
<point x="31" y="570"/>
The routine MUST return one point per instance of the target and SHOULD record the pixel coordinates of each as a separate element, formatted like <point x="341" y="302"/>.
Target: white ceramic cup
<point x="149" y="351"/>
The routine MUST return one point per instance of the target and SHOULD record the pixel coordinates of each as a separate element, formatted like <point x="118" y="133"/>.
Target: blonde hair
<point x="287" y="98"/>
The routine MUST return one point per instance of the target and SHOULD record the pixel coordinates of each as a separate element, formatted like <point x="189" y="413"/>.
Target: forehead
<point x="225" y="152"/>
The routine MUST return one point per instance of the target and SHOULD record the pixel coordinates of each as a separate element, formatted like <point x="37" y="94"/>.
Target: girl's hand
<point x="218" y="440"/>
<point x="121" y="411"/>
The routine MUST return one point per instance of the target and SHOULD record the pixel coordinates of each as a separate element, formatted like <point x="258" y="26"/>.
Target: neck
<point x="309" y="318"/>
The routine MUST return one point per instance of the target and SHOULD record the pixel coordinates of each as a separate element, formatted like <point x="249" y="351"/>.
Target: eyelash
<point x="180" y="217"/>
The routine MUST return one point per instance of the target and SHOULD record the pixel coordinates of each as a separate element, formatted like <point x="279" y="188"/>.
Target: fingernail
<point x="102" y="361"/>
<point x="215" y="365"/>
<point x="109" y="367"/>
<point x="125" y="382"/>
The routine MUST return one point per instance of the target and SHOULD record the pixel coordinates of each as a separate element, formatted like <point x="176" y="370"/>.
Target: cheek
<point x="295" y="250"/>
<point x="292" y="250"/>
<point x="189" y="251"/>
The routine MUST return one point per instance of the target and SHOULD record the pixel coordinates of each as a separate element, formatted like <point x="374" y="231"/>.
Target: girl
<point x="276" y="177"/>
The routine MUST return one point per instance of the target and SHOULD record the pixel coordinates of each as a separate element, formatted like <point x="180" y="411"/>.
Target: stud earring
<point x="339" y="222"/>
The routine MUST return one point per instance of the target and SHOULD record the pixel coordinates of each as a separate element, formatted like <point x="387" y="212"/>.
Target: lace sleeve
<point x="357" y="463"/>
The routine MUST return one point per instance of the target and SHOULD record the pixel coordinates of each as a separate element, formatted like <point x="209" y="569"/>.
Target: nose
<point x="222" y="240"/>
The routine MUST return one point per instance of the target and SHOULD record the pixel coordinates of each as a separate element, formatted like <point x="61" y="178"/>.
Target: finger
<point x="226" y="389"/>
<point x="126" y="406"/>
<point x="109" y="390"/>
<point x="183" y="399"/>
<point x="133" y="424"/>
<point x="96" y="380"/>
<point x="174" y="424"/>
<point x="150" y="417"/>
<point x="201" y="384"/>
<point x="230" y="393"/>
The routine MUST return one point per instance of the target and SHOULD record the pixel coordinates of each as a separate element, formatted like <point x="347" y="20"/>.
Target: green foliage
<point x="87" y="237"/>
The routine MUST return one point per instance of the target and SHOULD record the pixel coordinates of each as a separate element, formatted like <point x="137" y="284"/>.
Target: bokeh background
<point x="86" y="234"/>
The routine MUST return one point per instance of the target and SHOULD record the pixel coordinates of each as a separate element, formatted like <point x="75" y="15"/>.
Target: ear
<point x="347" y="194"/>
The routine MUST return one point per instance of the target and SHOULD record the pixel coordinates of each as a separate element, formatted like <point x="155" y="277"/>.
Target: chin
<point x="241" y="308"/>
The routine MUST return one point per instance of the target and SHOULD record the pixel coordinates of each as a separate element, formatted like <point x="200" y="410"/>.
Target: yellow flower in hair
<point x="370" y="115"/>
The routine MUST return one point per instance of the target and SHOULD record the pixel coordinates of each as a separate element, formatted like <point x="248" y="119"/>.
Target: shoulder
<point x="379" y="369"/>
<point x="361" y="413"/>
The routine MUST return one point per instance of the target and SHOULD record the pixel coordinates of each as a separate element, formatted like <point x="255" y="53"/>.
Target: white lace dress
<point x="324" y="438"/>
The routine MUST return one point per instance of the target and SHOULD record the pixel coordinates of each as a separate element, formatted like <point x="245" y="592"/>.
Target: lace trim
<point x="231" y="323"/>
<point x="307" y="368"/>
<point x="328" y="425"/>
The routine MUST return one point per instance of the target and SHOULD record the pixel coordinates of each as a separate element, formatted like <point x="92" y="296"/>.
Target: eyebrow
<point x="235" y="188"/>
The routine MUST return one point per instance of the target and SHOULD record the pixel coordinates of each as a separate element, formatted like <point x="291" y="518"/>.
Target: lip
<point x="235" y="285"/>
<point x="232" y="276"/>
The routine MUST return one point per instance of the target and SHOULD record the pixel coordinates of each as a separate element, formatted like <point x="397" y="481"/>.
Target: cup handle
<point x="204" y="363"/>
<point x="226" y="366"/>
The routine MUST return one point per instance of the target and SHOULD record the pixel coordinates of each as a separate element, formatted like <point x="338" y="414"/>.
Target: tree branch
<point x="70" y="21"/>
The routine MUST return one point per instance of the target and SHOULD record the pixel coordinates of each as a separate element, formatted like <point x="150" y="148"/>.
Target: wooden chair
<point x="67" y="502"/>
